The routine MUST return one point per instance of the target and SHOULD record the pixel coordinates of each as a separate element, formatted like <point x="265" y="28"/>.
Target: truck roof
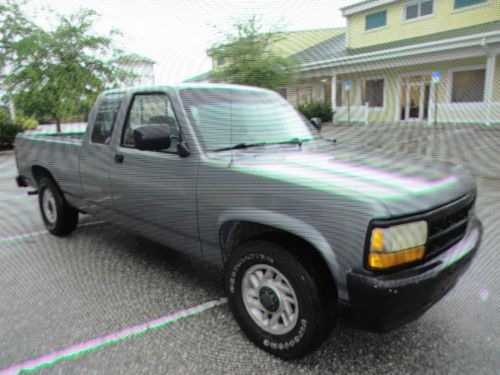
<point x="180" y="86"/>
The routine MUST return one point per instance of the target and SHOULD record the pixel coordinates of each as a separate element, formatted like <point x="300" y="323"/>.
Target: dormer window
<point x="419" y="9"/>
<point x="468" y="3"/>
<point x="376" y="20"/>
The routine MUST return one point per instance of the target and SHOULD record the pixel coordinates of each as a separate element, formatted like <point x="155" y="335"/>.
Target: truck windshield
<point x="225" y="118"/>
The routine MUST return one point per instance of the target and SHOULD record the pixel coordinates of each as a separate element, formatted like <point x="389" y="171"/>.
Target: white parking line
<point x="82" y="348"/>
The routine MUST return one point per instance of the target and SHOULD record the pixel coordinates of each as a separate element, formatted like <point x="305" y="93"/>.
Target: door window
<point x="105" y="118"/>
<point x="151" y="109"/>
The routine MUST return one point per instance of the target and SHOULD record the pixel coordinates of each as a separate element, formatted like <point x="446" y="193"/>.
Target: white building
<point x="142" y="67"/>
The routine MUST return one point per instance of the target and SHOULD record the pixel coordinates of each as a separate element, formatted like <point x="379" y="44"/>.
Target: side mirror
<point x="316" y="121"/>
<point x="152" y="137"/>
<point x="183" y="149"/>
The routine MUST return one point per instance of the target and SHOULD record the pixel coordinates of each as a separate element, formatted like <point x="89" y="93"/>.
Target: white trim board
<point x="364" y="5"/>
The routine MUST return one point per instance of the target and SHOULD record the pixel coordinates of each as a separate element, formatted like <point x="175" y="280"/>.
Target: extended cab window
<point x="151" y="109"/>
<point x="105" y="118"/>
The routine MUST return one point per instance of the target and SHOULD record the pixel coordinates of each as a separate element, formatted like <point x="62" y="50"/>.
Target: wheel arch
<point x="39" y="172"/>
<point x="239" y="226"/>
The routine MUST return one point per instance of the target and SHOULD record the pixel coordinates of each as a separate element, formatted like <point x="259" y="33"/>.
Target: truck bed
<point x="57" y="153"/>
<point x="61" y="137"/>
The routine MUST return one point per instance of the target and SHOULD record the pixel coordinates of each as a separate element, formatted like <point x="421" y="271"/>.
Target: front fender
<point x="293" y="226"/>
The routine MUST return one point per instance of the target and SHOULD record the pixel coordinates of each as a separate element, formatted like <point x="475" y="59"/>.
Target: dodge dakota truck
<point x="303" y="227"/>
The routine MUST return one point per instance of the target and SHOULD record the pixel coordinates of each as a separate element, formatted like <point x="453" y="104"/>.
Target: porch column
<point x="334" y="94"/>
<point x="488" y="86"/>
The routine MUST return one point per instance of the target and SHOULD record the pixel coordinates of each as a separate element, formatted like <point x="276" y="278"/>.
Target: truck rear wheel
<point x="277" y="299"/>
<point x="59" y="218"/>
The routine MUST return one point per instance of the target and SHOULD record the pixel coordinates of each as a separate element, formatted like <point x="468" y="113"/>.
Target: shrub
<point x="26" y="122"/>
<point x="8" y="130"/>
<point x="317" y="109"/>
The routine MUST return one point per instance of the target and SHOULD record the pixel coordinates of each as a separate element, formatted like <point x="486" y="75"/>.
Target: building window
<point x="221" y="61"/>
<point x="376" y="20"/>
<point x="372" y="92"/>
<point x="419" y="9"/>
<point x="467" y="3"/>
<point x="338" y="95"/>
<point x="305" y="95"/>
<point x="468" y="86"/>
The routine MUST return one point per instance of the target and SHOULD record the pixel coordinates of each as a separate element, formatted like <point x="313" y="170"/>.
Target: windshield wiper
<point x="240" y="146"/>
<point x="247" y="145"/>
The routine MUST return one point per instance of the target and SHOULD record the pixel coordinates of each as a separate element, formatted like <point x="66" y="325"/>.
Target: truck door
<point x="154" y="192"/>
<point x="95" y="156"/>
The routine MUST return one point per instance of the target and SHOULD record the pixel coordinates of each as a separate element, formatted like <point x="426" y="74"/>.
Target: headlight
<point x="398" y="244"/>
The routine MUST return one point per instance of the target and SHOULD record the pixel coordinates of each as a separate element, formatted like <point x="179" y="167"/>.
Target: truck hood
<point x="404" y="185"/>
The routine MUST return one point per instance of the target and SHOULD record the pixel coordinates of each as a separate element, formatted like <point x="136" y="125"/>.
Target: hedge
<point x="8" y="131"/>
<point x="317" y="109"/>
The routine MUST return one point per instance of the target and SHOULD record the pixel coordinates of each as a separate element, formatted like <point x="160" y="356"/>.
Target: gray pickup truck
<point x="235" y="176"/>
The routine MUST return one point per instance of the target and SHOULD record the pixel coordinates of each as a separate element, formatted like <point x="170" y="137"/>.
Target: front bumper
<point x="386" y="301"/>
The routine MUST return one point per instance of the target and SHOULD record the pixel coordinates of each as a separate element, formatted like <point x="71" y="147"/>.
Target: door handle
<point x="119" y="158"/>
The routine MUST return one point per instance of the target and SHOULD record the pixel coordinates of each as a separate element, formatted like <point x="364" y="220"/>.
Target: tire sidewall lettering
<point x="248" y="257"/>
<point x="289" y="343"/>
<point x="290" y="340"/>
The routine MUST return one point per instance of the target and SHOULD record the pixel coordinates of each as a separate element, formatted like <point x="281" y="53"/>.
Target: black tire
<point x="59" y="218"/>
<point x="317" y="308"/>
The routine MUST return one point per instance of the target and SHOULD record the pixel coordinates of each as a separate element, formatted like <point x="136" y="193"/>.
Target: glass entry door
<point x="415" y="95"/>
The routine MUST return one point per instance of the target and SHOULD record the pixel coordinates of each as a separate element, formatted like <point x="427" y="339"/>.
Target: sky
<point x="176" y="34"/>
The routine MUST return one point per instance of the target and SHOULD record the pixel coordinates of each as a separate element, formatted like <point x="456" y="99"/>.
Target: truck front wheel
<point x="59" y="218"/>
<point x="277" y="299"/>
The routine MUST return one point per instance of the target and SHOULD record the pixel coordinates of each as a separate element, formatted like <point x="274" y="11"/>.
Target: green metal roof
<point x="310" y="46"/>
<point x="198" y="78"/>
<point x="329" y="49"/>
<point x="290" y="43"/>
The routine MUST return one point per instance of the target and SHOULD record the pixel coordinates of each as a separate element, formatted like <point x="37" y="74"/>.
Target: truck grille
<point x="447" y="225"/>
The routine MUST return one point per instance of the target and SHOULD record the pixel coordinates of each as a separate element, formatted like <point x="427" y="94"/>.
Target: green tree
<point x="57" y="74"/>
<point x="13" y="25"/>
<point x="250" y="59"/>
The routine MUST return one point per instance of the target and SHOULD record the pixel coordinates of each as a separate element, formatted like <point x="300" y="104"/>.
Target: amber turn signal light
<point x="388" y="260"/>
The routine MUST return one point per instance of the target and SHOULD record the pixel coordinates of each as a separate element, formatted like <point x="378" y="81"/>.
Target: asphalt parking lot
<point x="105" y="301"/>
